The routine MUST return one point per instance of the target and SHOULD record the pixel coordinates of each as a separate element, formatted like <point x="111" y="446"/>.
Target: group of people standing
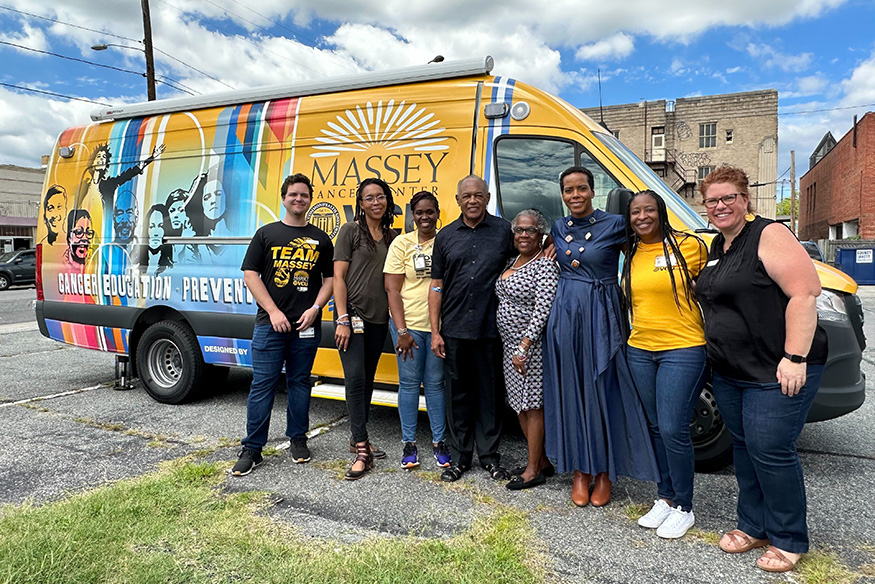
<point x="485" y="312"/>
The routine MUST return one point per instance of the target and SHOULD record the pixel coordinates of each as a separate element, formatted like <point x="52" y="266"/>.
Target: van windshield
<point x="690" y="219"/>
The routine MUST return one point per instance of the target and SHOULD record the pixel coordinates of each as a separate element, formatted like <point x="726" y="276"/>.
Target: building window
<point x="708" y="135"/>
<point x="729" y="136"/>
<point x="705" y="171"/>
<point x="657" y="139"/>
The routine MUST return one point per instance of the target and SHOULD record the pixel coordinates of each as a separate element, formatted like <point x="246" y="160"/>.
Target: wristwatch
<point x="795" y="358"/>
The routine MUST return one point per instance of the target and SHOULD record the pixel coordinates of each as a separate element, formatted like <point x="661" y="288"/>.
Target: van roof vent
<point x="419" y="73"/>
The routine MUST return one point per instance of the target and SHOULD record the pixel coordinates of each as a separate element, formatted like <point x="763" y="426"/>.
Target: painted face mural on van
<point x="54" y="213"/>
<point x="124" y="217"/>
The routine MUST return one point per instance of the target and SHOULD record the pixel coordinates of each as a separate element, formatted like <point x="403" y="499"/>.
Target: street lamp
<point x="147" y="50"/>
<point x="150" y="70"/>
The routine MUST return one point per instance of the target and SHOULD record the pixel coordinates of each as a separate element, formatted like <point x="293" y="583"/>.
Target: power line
<point x="104" y="33"/>
<point x="231" y="34"/>
<point x="69" y="24"/>
<point x="52" y="93"/>
<point x="164" y="80"/>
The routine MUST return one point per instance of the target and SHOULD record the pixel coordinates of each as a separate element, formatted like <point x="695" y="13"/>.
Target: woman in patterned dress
<point x="525" y="293"/>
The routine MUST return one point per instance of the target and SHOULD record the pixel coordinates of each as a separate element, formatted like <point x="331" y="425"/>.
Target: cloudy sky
<point x="818" y="54"/>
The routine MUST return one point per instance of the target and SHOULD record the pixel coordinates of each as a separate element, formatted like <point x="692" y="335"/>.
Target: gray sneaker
<point x="300" y="452"/>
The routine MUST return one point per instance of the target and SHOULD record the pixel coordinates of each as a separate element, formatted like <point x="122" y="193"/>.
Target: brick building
<point x="685" y="139"/>
<point x="20" y="195"/>
<point x="837" y="194"/>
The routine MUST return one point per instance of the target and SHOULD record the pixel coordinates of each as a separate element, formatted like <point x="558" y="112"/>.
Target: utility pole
<point x="793" y="192"/>
<point x="147" y="43"/>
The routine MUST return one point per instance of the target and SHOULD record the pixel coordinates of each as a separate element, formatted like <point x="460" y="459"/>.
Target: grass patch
<point x="709" y="537"/>
<point x="634" y="511"/>
<point x="823" y="567"/>
<point x="337" y="466"/>
<point x="867" y="570"/>
<point x="176" y="525"/>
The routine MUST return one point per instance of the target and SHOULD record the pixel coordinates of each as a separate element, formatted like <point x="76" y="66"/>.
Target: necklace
<point x="536" y="256"/>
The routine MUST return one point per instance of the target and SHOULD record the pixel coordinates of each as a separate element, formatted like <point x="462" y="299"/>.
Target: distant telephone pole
<point x="147" y="43"/>
<point x="793" y="192"/>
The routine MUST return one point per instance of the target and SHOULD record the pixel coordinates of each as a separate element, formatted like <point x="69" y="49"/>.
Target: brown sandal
<point x="364" y="455"/>
<point x="747" y="542"/>
<point x="786" y="564"/>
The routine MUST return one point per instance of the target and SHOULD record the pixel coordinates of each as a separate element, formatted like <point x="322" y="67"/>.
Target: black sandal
<point x="452" y="474"/>
<point x="362" y="454"/>
<point x="496" y="471"/>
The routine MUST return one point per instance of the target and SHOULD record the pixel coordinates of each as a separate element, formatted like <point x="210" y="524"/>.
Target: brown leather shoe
<point x="601" y="493"/>
<point x="580" y="489"/>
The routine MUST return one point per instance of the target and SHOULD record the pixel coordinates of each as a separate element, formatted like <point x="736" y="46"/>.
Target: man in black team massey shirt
<point x="469" y="254"/>
<point x="288" y="268"/>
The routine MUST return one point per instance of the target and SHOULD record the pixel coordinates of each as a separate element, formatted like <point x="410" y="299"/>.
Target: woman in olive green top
<point x="362" y="308"/>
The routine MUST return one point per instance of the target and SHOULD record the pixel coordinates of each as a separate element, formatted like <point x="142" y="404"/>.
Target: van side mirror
<point x="618" y="200"/>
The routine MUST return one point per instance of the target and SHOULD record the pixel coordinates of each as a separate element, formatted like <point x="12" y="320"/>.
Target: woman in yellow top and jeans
<point x="666" y="351"/>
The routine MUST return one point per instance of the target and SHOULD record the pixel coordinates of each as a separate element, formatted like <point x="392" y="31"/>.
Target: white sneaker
<point x="676" y="524"/>
<point x="657" y="514"/>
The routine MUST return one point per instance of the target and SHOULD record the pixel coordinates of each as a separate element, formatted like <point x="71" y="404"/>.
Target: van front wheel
<point x="170" y="363"/>
<point x="711" y="438"/>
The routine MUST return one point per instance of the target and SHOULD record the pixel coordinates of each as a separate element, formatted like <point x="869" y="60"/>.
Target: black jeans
<point x="474" y="398"/>
<point x="359" y="367"/>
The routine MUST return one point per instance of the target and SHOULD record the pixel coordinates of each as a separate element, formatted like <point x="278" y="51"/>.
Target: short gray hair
<point x="540" y="220"/>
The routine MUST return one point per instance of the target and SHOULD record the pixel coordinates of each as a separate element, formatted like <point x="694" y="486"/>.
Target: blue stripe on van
<point x="497" y="127"/>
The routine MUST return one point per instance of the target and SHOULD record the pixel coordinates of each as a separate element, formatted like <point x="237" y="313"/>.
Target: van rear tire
<point x="170" y="363"/>
<point x="711" y="438"/>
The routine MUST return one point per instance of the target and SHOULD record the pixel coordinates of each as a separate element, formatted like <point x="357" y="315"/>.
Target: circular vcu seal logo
<point x="326" y="217"/>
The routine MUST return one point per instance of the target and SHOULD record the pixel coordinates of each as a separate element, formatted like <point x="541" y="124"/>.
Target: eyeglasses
<point x="725" y="199"/>
<point x="79" y="232"/>
<point x="370" y="199"/>
<point x="527" y="230"/>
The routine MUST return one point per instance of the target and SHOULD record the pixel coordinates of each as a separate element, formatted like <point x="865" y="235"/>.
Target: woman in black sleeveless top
<point x="758" y="294"/>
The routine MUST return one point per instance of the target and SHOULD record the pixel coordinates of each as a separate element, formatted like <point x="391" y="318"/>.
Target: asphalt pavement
<point x="68" y="430"/>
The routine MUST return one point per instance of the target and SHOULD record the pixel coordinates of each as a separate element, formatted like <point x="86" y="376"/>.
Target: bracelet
<point x="341" y="316"/>
<point x="520" y="353"/>
<point x="795" y="358"/>
<point x="343" y="322"/>
<point x="316" y="306"/>
<point x="402" y="332"/>
<point x="436" y="289"/>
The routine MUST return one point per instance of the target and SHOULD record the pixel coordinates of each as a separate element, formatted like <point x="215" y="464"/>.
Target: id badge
<point x="358" y="325"/>
<point x="307" y="333"/>
<point x="419" y="263"/>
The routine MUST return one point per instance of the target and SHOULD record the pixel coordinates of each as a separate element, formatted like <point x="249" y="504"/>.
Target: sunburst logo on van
<point x="391" y="126"/>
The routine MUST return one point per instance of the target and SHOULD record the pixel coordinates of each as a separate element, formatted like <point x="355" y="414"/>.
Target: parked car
<point x="813" y="250"/>
<point x="17" y="267"/>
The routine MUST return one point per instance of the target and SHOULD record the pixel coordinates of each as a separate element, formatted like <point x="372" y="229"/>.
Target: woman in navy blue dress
<point x="595" y="423"/>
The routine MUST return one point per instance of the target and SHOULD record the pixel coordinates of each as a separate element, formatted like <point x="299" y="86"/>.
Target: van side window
<point x="528" y="172"/>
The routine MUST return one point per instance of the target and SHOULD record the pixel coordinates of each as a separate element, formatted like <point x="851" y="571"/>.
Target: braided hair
<point x="671" y="243"/>
<point x="386" y="220"/>
<point x="425" y="196"/>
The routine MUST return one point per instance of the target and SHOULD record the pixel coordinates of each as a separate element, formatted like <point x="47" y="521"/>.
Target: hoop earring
<point x="439" y="224"/>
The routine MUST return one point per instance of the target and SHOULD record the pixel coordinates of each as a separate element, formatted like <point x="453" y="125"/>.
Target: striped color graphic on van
<point x="502" y="92"/>
<point x="101" y="338"/>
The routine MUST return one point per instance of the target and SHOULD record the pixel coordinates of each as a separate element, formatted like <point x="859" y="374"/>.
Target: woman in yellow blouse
<point x="666" y="350"/>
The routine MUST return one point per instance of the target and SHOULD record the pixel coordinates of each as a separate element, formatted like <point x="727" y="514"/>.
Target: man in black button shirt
<point x="469" y="255"/>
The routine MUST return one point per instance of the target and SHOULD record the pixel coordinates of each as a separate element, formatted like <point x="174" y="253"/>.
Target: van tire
<point x="169" y="362"/>
<point x="5" y="281"/>
<point x="711" y="438"/>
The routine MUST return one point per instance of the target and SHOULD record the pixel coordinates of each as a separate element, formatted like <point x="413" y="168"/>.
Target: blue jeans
<point x="765" y="424"/>
<point x="425" y="370"/>
<point x="669" y="383"/>
<point x="270" y="351"/>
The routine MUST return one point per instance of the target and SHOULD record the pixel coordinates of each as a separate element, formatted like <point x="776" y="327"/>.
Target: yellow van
<point x="158" y="201"/>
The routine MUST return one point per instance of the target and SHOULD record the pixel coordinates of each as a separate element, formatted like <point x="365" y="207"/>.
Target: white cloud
<point x="616" y="47"/>
<point x="30" y="37"/>
<point x="859" y="89"/>
<point x="732" y="70"/>
<point x="772" y="58"/>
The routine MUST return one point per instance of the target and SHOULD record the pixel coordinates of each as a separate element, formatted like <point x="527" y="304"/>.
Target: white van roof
<point x="419" y="73"/>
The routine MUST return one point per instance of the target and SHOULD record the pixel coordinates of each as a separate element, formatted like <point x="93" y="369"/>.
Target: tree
<point x="783" y="207"/>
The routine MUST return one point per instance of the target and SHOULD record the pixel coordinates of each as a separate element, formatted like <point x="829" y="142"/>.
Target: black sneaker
<point x="299" y="450"/>
<point x="248" y="460"/>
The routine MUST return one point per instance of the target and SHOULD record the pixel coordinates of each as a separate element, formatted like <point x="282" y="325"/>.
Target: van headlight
<point x="831" y="306"/>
